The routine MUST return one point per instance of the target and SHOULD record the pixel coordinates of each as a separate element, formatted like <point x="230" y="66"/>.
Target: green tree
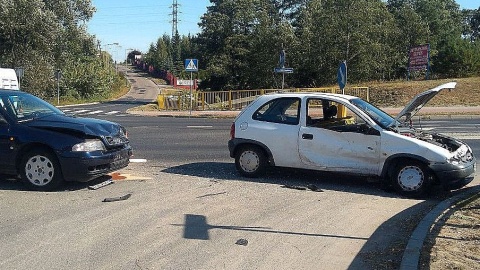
<point x="359" y="32"/>
<point x="240" y="41"/>
<point x="472" y="24"/>
<point x="439" y="24"/>
<point x="45" y="35"/>
<point x="26" y="31"/>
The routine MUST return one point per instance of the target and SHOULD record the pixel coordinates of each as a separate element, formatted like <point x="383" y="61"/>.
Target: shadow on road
<point x="284" y="177"/>
<point x="11" y="183"/>
<point x="197" y="227"/>
<point x="385" y="247"/>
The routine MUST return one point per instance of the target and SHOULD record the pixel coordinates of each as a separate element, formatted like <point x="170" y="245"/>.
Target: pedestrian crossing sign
<point x="191" y="65"/>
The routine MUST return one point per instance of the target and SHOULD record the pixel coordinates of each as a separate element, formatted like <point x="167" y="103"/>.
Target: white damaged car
<point x="341" y="133"/>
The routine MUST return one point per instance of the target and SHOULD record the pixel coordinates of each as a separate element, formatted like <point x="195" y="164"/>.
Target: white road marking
<point x="95" y="112"/>
<point x="463" y="136"/>
<point x="112" y="112"/>
<point x="81" y="111"/>
<point x="199" y="126"/>
<point x="138" y="160"/>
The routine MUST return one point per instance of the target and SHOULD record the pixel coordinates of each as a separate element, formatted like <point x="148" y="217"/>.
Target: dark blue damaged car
<point x="45" y="147"/>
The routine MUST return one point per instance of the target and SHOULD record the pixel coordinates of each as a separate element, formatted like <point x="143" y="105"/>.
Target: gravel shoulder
<point x="454" y="241"/>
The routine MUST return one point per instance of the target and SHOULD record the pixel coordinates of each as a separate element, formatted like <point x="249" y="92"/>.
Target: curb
<point x="411" y="255"/>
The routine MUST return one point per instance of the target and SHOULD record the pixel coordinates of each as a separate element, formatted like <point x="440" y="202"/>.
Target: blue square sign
<point x="191" y="65"/>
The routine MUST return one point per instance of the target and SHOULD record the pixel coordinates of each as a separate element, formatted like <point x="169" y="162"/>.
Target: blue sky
<point x="137" y="24"/>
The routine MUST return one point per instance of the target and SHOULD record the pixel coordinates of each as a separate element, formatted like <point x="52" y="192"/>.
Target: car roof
<point x="311" y="94"/>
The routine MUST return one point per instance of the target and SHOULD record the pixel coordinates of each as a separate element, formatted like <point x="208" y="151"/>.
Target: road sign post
<point x="342" y="82"/>
<point x="342" y="76"/>
<point x="20" y="71"/>
<point x="282" y="69"/>
<point x="191" y="65"/>
<point x="58" y="76"/>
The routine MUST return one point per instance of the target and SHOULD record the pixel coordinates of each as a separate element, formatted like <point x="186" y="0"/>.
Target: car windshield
<point x="25" y="107"/>
<point x="380" y="117"/>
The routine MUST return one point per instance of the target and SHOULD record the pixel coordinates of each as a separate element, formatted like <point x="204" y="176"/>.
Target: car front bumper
<point x="454" y="177"/>
<point x="83" y="167"/>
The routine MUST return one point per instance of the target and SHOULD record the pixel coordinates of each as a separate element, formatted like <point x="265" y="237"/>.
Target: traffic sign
<point x="283" y="70"/>
<point x="342" y="75"/>
<point x="191" y="65"/>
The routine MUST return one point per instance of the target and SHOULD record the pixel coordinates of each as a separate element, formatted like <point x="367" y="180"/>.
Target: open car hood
<point x="420" y="100"/>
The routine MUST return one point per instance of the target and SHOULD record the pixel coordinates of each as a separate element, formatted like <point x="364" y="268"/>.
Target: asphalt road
<point x="189" y="209"/>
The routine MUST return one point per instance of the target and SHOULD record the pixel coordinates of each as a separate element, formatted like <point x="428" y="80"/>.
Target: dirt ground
<point x="454" y="243"/>
<point x="399" y="93"/>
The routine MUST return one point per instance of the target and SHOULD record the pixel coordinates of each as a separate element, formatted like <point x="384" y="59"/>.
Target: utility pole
<point x="174" y="18"/>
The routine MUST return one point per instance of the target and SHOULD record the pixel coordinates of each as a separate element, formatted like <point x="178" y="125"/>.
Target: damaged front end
<point x="459" y="166"/>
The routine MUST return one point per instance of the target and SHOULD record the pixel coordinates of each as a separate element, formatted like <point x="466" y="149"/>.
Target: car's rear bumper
<point x="84" y="167"/>
<point x="231" y="147"/>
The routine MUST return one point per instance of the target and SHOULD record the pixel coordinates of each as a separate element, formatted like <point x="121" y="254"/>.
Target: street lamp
<point x="107" y="46"/>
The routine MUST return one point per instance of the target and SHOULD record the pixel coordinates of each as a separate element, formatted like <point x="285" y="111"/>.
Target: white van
<point x="8" y="79"/>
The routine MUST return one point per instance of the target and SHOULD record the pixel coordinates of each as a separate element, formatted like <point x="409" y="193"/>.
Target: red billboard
<point x="419" y="56"/>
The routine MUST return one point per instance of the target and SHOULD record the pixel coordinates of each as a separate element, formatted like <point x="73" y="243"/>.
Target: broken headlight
<point x="89" y="146"/>
<point x="462" y="155"/>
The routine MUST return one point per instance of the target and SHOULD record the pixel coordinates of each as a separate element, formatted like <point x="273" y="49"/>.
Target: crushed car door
<point x="335" y="139"/>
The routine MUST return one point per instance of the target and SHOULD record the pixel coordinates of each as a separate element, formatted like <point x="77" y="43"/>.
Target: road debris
<point x="114" y="199"/>
<point x="100" y="185"/>
<point x="312" y="187"/>
<point x="309" y="186"/>
<point x="294" y="187"/>
<point x="242" y="242"/>
<point x="211" y="194"/>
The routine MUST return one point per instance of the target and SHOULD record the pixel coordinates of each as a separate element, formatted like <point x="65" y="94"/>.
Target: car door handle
<point x="307" y="136"/>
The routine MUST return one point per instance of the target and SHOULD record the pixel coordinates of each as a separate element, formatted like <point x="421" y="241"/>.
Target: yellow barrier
<point x="239" y="99"/>
<point x="161" y="102"/>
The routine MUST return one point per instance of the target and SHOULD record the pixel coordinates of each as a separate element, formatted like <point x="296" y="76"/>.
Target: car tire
<point x="40" y="170"/>
<point x="411" y="178"/>
<point x="250" y="161"/>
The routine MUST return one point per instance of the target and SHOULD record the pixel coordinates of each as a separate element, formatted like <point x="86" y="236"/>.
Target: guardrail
<point x="236" y="99"/>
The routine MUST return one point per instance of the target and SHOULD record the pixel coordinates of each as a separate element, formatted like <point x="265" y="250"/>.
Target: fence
<point x="236" y="99"/>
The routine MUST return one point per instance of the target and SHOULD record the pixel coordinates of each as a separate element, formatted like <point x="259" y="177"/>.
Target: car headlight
<point x="88" y="146"/>
<point x="462" y="155"/>
<point x="454" y="160"/>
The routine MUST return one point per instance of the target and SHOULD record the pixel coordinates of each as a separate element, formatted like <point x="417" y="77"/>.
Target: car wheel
<point x="411" y="178"/>
<point x="40" y="170"/>
<point x="250" y="161"/>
